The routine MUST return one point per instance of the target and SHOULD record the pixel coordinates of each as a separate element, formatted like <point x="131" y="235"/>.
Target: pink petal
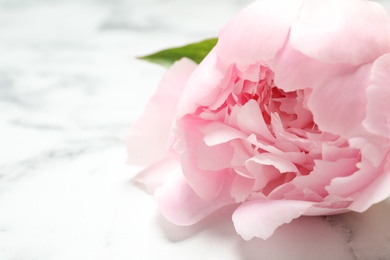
<point x="304" y="116"/>
<point x="375" y="192"/>
<point x="221" y="93"/>
<point x="242" y="152"/>
<point x="353" y="185"/>
<point x="148" y="137"/>
<point x="337" y="31"/>
<point x="332" y="103"/>
<point x="256" y="34"/>
<point x="294" y="71"/>
<point x="250" y="120"/>
<point x="250" y="72"/>
<point x="182" y="206"/>
<point x="241" y="188"/>
<point x="295" y="157"/>
<point x="323" y="173"/>
<point x="279" y="163"/>
<point x="155" y="175"/>
<point x="378" y="95"/>
<point x="263" y="174"/>
<point x="297" y="143"/>
<point x="328" y="210"/>
<point x="214" y="158"/>
<point x="260" y="218"/>
<point x="372" y="148"/>
<point x="203" y="83"/>
<point x="217" y="133"/>
<point x="206" y="183"/>
<point x="334" y="153"/>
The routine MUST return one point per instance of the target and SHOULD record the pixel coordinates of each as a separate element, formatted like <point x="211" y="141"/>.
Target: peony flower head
<point x="288" y="116"/>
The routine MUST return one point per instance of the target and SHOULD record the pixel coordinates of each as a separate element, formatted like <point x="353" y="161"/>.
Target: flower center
<point x="277" y="140"/>
<point x="290" y="107"/>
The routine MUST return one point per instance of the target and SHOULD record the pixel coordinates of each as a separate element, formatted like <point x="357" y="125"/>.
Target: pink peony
<point x="288" y="116"/>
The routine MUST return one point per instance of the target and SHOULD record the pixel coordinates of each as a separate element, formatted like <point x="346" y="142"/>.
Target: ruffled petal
<point x="182" y="206"/>
<point x="295" y="157"/>
<point x="378" y="98"/>
<point x="148" y="138"/>
<point x="260" y="218"/>
<point x="256" y="34"/>
<point x="323" y="173"/>
<point x="279" y="163"/>
<point x="337" y="31"/>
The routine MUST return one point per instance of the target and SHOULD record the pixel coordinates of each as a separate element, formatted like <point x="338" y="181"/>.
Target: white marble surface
<point x="69" y="89"/>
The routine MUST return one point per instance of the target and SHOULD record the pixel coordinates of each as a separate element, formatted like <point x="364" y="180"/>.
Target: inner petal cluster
<point x="271" y="145"/>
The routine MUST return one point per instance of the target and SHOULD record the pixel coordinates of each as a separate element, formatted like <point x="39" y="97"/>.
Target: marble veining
<point x="346" y="230"/>
<point x="70" y="86"/>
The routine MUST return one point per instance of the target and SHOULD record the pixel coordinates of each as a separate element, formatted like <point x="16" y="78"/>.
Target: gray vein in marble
<point x="346" y="230"/>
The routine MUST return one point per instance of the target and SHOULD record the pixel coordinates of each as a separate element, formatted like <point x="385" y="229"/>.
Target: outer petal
<point x="377" y="191"/>
<point x="207" y="183"/>
<point x="378" y="95"/>
<point x="293" y="70"/>
<point x="338" y="106"/>
<point x="260" y="218"/>
<point x="203" y="82"/>
<point x="348" y="186"/>
<point x="372" y="148"/>
<point x="258" y="29"/>
<point x="155" y="175"/>
<point x="337" y="31"/>
<point x="182" y="206"/>
<point x="148" y="138"/>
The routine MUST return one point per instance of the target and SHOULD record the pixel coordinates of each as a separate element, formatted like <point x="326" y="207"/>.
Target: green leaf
<point x="194" y="51"/>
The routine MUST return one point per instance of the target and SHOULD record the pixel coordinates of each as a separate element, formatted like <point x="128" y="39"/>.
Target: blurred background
<point x="71" y="64"/>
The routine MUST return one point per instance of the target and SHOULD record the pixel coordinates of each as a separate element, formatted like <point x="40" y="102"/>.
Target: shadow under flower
<point x="303" y="238"/>
<point x="368" y="233"/>
<point x="345" y="236"/>
<point x="219" y="223"/>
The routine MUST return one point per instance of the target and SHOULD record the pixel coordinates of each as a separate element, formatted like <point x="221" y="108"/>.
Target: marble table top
<point x="70" y="87"/>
